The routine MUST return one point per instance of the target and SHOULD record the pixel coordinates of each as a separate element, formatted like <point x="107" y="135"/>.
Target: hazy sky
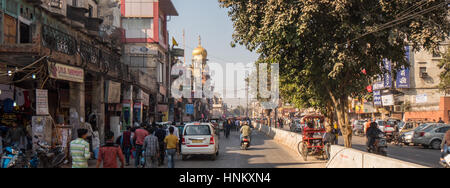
<point x="207" y="19"/>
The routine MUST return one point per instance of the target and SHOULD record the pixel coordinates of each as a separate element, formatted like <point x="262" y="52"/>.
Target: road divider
<point x="286" y="138"/>
<point x="341" y="157"/>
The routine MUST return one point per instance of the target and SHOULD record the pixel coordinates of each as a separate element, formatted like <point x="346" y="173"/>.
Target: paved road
<point x="264" y="153"/>
<point x="413" y="154"/>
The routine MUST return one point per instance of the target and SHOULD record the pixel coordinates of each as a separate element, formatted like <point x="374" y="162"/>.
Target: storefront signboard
<point x="422" y="98"/>
<point x="388" y="100"/>
<point x="64" y="72"/>
<point x="41" y="102"/>
<point x="113" y="92"/>
<point x="377" y="98"/>
<point x="190" y="109"/>
<point x="378" y="86"/>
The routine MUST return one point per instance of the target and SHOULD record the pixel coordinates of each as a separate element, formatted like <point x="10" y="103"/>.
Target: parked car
<point x="199" y="139"/>
<point x="380" y="124"/>
<point x="432" y="135"/>
<point x="358" y="127"/>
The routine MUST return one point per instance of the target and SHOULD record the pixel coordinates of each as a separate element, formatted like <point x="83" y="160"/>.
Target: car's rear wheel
<point x="436" y="144"/>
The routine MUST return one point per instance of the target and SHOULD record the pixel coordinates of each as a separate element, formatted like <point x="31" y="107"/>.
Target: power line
<point x="400" y="20"/>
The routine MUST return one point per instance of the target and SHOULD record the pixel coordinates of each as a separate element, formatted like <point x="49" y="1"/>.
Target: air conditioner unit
<point x="397" y="108"/>
<point x="423" y="74"/>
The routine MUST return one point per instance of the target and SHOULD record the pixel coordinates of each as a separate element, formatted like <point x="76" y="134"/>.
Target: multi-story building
<point x="146" y="51"/>
<point x="57" y="46"/>
<point x="423" y="100"/>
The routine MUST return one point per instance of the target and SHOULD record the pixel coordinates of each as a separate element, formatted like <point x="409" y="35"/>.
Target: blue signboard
<point x="377" y="101"/>
<point x="189" y="109"/>
<point x="403" y="80"/>
<point x="387" y="78"/>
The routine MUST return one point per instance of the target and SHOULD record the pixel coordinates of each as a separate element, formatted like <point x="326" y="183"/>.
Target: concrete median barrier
<point x="280" y="136"/>
<point x="341" y="157"/>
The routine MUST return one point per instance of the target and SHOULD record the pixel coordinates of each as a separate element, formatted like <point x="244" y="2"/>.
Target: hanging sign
<point x="41" y="102"/>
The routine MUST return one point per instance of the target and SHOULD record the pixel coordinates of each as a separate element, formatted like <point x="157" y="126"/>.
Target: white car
<point x="199" y="139"/>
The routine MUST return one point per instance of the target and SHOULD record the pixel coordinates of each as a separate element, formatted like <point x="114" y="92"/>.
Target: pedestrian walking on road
<point x="109" y="153"/>
<point x="171" y="145"/>
<point x="139" y="137"/>
<point x="126" y="144"/>
<point x="161" y="134"/>
<point x="79" y="150"/>
<point x="228" y="125"/>
<point x="151" y="148"/>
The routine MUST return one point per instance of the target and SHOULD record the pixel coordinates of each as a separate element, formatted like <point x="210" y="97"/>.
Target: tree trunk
<point x="341" y="107"/>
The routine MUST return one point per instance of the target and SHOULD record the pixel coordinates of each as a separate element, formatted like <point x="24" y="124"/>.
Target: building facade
<point x="146" y="51"/>
<point x="57" y="66"/>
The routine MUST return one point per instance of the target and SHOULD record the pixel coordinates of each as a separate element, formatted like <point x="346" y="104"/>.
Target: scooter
<point x="46" y="156"/>
<point x="13" y="157"/>
<point x="245" y="143"/>
<point x="380" y="146"/>
<point x="446" y="162"/>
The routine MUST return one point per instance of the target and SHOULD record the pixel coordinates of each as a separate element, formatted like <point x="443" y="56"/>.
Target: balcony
<point x="89" y="54"/>
<point x="77" y="14"/>
<point x="58" y="40"/>
<point x="56" y="8"/>
<point x="93" y="24"/>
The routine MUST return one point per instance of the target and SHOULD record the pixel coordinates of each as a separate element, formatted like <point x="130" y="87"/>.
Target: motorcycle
<point x="380" y="145"/>
<point x="47" y="157"/>
<point x="245" y="143"/>
<point x="13" y="158"/>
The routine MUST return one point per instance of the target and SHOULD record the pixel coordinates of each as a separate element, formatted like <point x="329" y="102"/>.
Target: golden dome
<point x="200" y="50"/>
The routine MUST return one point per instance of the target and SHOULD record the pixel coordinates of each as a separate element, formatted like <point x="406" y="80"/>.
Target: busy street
<point x="224" y="84"/>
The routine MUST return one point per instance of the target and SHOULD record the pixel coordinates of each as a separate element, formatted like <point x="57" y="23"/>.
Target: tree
<point x="322" y="46"/>
<point x="445" y="74"/>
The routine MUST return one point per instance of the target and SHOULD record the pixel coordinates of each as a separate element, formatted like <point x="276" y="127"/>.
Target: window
<point x="25" y="33"/>
<point x="138" y="28"/>
<point x="74" y="3"/>
<point x="160" y="73"/>
<point x="139" y="8"/>
<point x="10" y="26"/>
<point x="197" y="130"/>
<point x="443" y="130"/>
<point x="161" y="31"/>
<point x="91" y="11"/>
<point x="12" y="7"/>
<point x="437" y="54"/>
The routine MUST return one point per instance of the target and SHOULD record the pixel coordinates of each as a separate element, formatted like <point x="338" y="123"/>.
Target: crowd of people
<point x="147" y="144"/>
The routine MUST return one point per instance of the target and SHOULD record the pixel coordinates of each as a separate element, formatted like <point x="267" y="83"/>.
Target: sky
<point x="207" y="19"/>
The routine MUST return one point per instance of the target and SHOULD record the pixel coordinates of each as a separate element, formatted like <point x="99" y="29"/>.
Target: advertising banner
<point x="388" y="100"/>
<point x="377" y="98"/>
<point x="41" y="102"/>
<point x="387" y="78"/>
<point x="189" y="109"/>
<point x="113" y="92"/>
<point x="422" y="98"/>
<point x="64" y="72"/>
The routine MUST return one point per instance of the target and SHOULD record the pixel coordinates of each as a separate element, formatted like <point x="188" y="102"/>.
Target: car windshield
<point x="197" y="130"/>
<point x="421" y="127"/>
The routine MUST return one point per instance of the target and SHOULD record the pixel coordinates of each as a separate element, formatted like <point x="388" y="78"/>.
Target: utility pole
<point x="246" y="95"/>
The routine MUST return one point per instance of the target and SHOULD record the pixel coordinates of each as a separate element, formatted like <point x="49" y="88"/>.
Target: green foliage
<point x="445" y="74"/>
<point x="323" y="45"/>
